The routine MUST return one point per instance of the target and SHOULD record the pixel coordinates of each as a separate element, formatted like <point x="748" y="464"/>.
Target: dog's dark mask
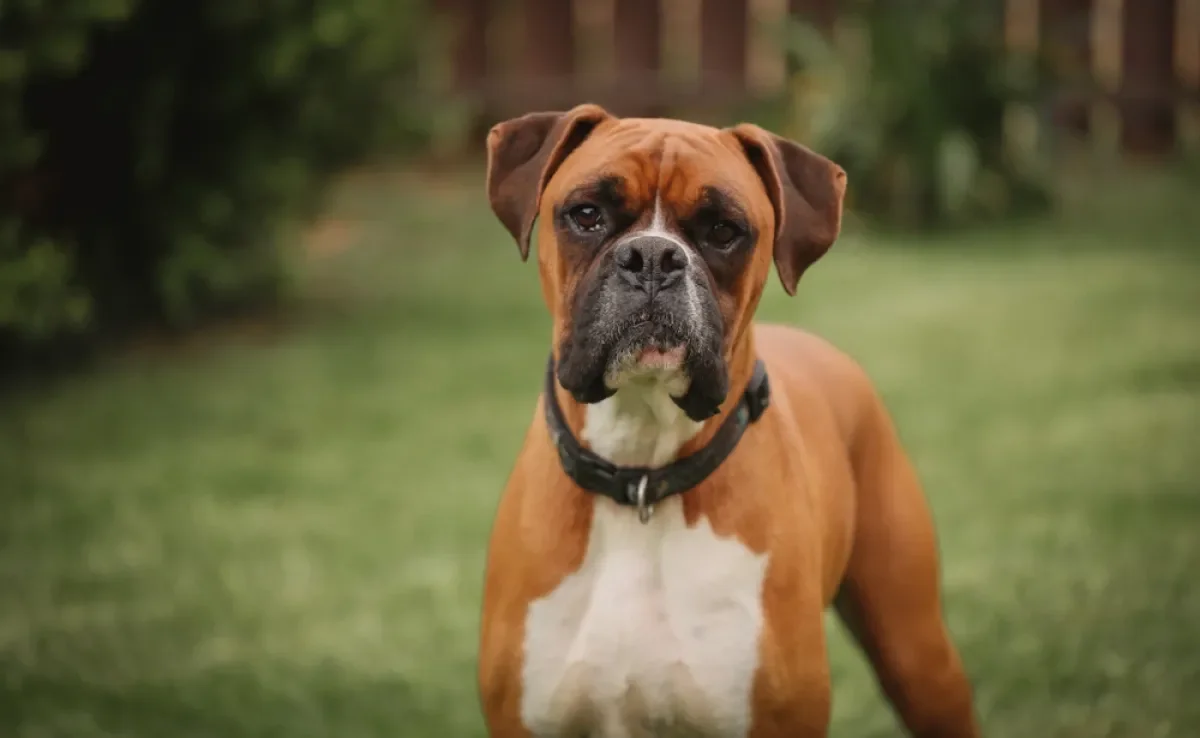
<point x="625" y="304"/>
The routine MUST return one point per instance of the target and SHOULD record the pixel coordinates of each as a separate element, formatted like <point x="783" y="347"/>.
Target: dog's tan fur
<point x="820" y="485"/>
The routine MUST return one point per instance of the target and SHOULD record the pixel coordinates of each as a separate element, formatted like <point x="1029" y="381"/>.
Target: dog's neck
<point x="640" y="425"/>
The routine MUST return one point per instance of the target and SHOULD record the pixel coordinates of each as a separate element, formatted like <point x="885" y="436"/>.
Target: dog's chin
<point x="651" y="362"/>
<point x="691" y="371"/>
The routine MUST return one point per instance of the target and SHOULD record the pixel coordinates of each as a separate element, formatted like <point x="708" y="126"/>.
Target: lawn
<point x="279" y="530"/>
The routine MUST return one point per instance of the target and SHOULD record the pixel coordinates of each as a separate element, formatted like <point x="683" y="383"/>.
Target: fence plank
<point x="724" y="27"/>
<point x="1022" y="37"/>
<point x="1148" y="60"/>
<point x="1066" y="48"/>
<point x="469" y="46"/>
<point x="637" y="30"/>
<point x="821" y="13"/>
<point x="1107" y="38"/>
<point x="548" y="48"/>
<point x="1187" y="71"/>
<point x="637" y="42"/>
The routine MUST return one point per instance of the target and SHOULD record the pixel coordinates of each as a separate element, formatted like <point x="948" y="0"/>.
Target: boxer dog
<point x="695" y="489"/>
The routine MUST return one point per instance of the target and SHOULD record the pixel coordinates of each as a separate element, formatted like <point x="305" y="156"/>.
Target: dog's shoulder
<point x="798" y="353"/>
<point x="816" y="374"/>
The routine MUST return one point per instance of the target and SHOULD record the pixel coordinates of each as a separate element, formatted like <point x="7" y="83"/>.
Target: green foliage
<point x="151" y="149"/>
<point x="35" y="286"/>
<point x="910" y="97"/>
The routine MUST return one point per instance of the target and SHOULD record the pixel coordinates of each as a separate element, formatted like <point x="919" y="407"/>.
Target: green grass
<point x="281" y="533"/>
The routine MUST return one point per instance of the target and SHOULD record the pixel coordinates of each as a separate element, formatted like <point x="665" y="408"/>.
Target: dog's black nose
<point x="651" y="263"/>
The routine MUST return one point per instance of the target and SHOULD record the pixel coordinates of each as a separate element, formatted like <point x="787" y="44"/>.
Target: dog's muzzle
<point x="648" y="292"/>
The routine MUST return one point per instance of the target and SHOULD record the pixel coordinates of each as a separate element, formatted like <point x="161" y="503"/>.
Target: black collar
<point x="642" y="486"/>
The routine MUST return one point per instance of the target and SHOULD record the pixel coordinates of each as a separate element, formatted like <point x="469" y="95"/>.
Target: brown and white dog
<point x="656" y="238"/>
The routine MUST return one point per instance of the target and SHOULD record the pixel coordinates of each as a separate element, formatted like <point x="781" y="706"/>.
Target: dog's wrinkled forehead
<point x="665" y="164"/>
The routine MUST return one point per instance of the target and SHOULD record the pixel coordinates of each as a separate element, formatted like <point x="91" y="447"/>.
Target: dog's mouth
<point x="616" y="339"/>
<point x="663" y="360"/>
<point x="648" y="348"/>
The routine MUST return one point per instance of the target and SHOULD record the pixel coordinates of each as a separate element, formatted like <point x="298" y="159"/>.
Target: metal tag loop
<point x="644" y="510"/>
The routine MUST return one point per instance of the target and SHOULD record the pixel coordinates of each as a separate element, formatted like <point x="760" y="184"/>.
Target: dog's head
<point x="655" y="239"/>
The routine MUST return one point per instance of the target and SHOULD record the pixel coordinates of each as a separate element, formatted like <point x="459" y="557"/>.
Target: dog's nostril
<point x="672" y="260"/>
<point x="630" y="259"/>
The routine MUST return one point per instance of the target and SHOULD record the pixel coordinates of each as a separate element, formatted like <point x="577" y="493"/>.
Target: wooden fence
<point x="1129" y="70"/>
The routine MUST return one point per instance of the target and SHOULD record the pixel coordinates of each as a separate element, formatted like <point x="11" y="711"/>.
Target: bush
<point x="910" y="98"/>
<point x="150" y="149"/>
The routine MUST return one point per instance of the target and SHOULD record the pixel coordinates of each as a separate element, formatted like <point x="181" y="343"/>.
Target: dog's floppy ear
<point x="806" y="191"/>
<point x="523" y="153"/>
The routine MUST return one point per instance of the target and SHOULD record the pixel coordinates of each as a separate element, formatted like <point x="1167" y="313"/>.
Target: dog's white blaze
<point x="657" y="632"/>
<point x="658" y="227"/>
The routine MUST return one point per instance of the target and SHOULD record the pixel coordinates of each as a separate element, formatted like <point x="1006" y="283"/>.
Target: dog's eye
<point x="723" y="234"/>
<point x="587" y="218"/>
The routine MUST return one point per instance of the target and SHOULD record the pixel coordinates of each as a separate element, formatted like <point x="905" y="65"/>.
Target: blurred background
<point x="267" y="357"/>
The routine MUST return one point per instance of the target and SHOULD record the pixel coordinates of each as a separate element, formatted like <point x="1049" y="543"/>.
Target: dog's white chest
<point x="655" y="635"/>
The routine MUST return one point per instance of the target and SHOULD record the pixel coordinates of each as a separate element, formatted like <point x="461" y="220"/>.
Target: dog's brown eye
<point x="587" y="218"/>
<point x="723" y="234"/>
